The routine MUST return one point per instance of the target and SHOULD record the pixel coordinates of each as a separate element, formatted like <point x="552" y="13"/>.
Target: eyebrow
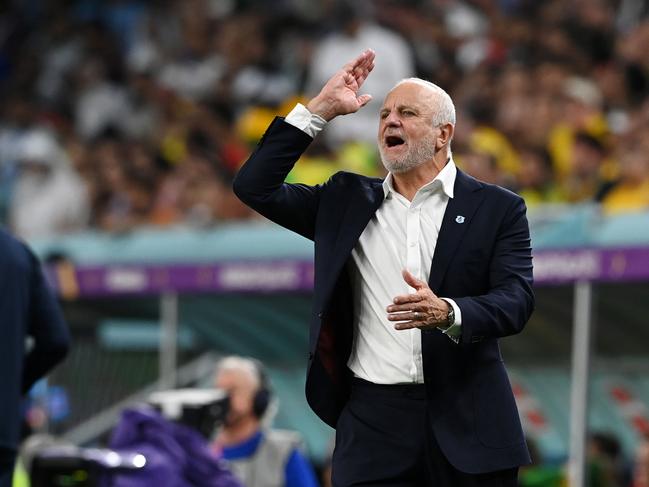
<point x="400" y="108"/>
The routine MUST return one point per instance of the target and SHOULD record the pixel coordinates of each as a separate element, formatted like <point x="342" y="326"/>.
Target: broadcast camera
<point x="202" y="410"/>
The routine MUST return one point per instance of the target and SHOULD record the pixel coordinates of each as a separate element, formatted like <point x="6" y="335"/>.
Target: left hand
<point x="423" y="309"/>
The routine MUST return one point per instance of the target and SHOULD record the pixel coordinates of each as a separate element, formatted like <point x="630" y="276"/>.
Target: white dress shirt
<point x="401" y="235"/>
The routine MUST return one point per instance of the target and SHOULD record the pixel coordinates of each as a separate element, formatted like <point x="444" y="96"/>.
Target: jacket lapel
<point x="361" y="207"/>
<point x="467" y="196"/>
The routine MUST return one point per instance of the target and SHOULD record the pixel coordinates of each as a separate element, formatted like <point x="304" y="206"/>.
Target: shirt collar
<point x="446" y="178"/>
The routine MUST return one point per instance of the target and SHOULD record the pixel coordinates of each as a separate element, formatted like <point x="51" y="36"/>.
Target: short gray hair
<point x="254" y="368"/>
<point x="235" y="363"/>
<point x="445" y="110"/>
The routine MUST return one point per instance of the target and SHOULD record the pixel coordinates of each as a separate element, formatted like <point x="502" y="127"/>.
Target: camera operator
<point x="258" y="456"/>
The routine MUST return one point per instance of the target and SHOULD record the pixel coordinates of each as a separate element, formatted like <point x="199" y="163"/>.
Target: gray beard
<point x="416" y="156"/>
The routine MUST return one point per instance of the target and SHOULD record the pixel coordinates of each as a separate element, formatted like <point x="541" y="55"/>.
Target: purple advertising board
<point x="551" y="267"/>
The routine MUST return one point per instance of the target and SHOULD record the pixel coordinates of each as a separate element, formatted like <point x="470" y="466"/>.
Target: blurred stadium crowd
<point x="117" y="114"/>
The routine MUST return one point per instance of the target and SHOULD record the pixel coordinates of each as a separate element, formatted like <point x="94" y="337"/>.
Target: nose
<point x="392" y="120"/>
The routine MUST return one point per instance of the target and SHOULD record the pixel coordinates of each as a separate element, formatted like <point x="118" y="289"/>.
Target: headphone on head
<point x="263" y="395"/>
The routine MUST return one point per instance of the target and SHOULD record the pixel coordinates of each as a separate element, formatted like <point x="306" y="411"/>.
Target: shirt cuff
<point x="309" y="123"/>
<point x="454" y="330"/>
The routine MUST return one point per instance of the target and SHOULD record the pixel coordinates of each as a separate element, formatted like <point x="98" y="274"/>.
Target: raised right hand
<point x="339" y="96"/>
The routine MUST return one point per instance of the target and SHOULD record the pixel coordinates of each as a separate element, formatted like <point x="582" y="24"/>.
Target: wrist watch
<point x="450" y="317"/>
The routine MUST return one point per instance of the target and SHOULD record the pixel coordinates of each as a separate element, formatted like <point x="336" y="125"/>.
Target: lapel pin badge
<point x="459" y="219"/>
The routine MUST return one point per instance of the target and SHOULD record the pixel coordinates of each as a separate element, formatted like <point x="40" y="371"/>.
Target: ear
<point x="446" y="132"/>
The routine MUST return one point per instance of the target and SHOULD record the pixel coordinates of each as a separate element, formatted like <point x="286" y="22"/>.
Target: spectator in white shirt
<point x="48" y="198"/>
<point x="394" y="62"/>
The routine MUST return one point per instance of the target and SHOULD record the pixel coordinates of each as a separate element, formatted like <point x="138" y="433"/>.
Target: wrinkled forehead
<point x="410" y="94"/>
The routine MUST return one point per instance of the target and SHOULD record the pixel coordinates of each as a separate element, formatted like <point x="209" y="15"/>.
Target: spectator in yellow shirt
<point x="584" y="181"/>
<point x="631" y="191"/>
<point x="535" y="182"/>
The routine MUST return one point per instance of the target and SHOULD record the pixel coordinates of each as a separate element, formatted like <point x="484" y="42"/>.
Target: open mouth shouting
<point x="391" y="141"/>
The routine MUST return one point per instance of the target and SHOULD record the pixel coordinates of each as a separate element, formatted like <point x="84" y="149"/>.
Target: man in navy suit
<point x="28" y="310"/>
<point x="416" y="278"/>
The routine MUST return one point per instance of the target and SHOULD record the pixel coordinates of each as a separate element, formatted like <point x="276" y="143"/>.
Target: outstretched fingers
<point x="361" y="65"/>
<point x="362" y="71"/>
<point x="350" y="66"/>
<point x="362" y="75"/>
<point x="356" y="71"/>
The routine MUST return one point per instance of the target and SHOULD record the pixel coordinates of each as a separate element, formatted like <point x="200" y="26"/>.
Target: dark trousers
<point x="383" y="438"/>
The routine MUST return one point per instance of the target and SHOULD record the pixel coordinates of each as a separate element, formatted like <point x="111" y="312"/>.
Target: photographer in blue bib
<point x="258" y="455"/>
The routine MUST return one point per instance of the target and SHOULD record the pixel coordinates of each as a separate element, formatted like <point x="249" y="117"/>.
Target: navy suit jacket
<point x="483" y="261"/>
<point x="28" y="308"/>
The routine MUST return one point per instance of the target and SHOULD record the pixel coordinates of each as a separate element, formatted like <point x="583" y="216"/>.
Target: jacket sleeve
<point x="45" y="326"/>
<point x="506" y="307"/>
<point x="260" y="182"/>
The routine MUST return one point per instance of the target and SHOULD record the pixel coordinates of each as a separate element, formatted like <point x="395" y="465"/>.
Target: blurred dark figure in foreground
<point x="34" y="339"/>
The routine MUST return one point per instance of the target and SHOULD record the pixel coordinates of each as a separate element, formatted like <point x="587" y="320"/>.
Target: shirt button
<point x="412" y="244"/>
